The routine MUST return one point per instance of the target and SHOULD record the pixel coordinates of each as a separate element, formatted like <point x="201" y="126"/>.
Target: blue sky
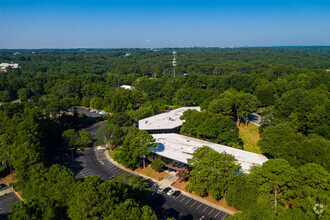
<point x="155" y="24"/>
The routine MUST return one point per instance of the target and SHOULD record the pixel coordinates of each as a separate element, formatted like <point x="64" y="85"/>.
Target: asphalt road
<point x="7" y="197"/>
<point x="94" y="162"/>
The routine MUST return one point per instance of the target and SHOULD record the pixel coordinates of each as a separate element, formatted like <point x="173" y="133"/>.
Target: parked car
<point x="166" y="190"/>
<point x="149" y="182"/>
<point x="161" y="213"/>
<point x="170" y="192"/>
<point x="154" y="188"/>
<point x="176" y="194"/>
<point x="2" y="186"/>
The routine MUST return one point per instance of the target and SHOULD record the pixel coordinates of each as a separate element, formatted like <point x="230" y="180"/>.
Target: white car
<point x="170" y="192"/>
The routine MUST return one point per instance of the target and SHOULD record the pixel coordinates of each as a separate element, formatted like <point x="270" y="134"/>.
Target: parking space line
<point x="183" y="199"/>
<point x="224" y="216"/>
<point x="82" y="174"/>
<point x="211" y="211"/>
<point x="117" y="173"/>
<point x="205" y="208"/>
<point x="193" y="204"/>
<point x="178" y="197"/>
<point x="217" y="214"/>
<point x="188" y="201"/>
<point x="199" y="206"/>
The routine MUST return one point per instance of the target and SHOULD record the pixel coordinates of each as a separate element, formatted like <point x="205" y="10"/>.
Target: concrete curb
<point x="183" y="192"/>
<point x="17" y="194"/>
<point x="126" y="169"/>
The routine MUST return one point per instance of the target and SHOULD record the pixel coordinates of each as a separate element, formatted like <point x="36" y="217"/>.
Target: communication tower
<point x="174" y="62"/>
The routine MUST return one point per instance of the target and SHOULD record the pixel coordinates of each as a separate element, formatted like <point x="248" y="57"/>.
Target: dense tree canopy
<point x="209" y="126"/>
<point x="288" y="86"/>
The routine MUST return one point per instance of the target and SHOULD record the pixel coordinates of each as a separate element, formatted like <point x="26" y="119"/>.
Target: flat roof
<point x="167" y="120"/>
<point x="180" y="148"/>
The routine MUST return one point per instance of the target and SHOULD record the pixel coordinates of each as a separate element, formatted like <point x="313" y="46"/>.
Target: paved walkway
<point x="167" y="182"/>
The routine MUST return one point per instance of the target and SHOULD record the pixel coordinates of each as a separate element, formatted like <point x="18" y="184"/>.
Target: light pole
<point x="174" y="62"/>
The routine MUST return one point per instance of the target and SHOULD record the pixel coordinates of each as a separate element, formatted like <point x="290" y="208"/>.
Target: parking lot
<point x="88" y="112"/>
<point x="7" y="197"/>
<point x="188" y="207"/>
<point x="94" y="162"/>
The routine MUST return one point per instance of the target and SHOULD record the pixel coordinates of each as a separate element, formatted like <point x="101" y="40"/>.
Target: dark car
<point x="166" y="190"/>
<point x="176" y="194"/>
<point x="2" y="186"/>
<point x="161" y="213"/>
<point x="149" y="182"/>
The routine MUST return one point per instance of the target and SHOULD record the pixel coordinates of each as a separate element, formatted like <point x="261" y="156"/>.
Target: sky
<point x="28" y="24"/>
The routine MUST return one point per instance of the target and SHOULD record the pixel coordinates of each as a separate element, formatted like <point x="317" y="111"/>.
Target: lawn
<point x="250" y="137"/>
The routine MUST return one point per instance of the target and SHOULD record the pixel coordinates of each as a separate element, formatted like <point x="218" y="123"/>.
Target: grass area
<point x="250" y="137"/>
<point x="151" y="173"/>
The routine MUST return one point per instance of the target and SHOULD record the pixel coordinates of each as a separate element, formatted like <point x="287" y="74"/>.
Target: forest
<point x="287" y="86"/>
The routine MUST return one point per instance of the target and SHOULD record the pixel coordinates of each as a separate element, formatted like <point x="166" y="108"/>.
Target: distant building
<point x="127" y="87"/>
<point x="4" y="66"/>
<point x="168" y="122"/>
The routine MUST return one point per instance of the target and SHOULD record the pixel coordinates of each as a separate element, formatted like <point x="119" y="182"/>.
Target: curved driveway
<point x="94" y="162"/>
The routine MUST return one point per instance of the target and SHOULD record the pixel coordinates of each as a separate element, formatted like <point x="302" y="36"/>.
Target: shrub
<point x="156" y="165"/>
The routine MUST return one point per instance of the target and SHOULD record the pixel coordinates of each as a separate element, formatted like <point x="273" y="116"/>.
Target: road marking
<point x="188" y="201"/>
<point x="217" y="214"/>
<point x="182" y="199"/>
<point x="199" y="206"/>
<point x="224" y="216"/>
<point x="211" y="211"/>
<point x="82" y="174"/>
<point x="205" y="208"/>
<point x="193" y="204"/>
<point x="178" y="197"/>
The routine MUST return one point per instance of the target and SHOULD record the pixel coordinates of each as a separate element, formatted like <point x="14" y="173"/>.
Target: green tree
<point x="75" y="139"/>
<point x="157" y="165"/>
<point x="213" y="127"/>
<point x="283" y="141"/>
<point x="245" y="103"/>
<point x="109" y="135"/>
<point x="312" y="187"/>
<point x="276" y="180"/>
<point x="221" y="106"/>
<point x="131" y="210"/>
<point x="135" y="146"/>
<point x="242" y="192"/>
<point x="211" y="172"/>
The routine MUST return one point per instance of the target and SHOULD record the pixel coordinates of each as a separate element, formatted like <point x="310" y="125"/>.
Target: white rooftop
<point x="168" y="120"/>
<point x="180" y="148"/>
<point x="127" y="87"/>
<point x="5" y="65"/>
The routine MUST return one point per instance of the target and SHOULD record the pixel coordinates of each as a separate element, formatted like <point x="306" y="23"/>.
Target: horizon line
<point x="155" y="48"/>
